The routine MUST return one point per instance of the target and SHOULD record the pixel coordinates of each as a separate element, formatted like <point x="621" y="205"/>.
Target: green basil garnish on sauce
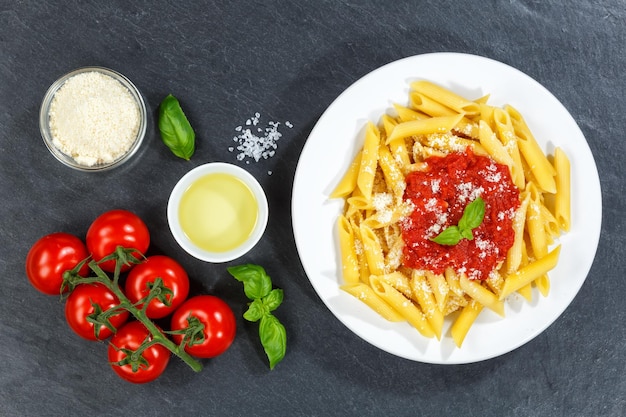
<point x="473" y="216"/>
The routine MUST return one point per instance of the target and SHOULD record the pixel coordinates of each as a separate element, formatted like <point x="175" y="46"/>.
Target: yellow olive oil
<point x="218" y="212"/>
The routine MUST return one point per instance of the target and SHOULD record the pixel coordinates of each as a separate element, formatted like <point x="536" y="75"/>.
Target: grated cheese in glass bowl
<point x="93" y="119"/>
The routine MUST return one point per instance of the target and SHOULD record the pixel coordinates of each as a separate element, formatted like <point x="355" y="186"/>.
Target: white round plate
<point x="339" y="134"/>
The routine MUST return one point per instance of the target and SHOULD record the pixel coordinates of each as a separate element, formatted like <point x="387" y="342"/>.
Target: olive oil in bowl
<point x="218" y="212"/>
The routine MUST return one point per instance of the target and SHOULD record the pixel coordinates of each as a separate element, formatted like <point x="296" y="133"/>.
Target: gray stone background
<point x="287" y="60"/>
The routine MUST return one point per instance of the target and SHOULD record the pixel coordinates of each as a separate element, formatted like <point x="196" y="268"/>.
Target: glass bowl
<point x="87" y="105"/>
<point x="227" y="220"/>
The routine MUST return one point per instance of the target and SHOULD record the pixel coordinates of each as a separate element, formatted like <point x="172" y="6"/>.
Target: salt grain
<point x="259" y="143"/>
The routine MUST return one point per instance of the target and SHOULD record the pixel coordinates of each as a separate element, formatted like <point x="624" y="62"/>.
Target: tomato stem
<point x="126" y="256"/>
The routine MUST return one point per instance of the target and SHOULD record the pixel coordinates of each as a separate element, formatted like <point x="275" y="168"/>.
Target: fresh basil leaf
<point x="472" y="217"/>
<point x="467" y="234"/>
<point x="273" y="299"/>
<point x="449" y="237"/>
<point x="273" y="338"/>
<point x="256" y="282"/>
<point x="473" y="214"/>
<point x="258" y="287"/>
<point x="256" y="310"/>
<point x="176" y="132"/>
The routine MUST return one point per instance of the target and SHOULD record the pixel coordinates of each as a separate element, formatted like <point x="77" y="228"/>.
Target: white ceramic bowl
<point x="191" y="177"/>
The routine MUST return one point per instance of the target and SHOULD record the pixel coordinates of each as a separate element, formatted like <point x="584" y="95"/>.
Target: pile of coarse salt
<point x="255" y="142"/>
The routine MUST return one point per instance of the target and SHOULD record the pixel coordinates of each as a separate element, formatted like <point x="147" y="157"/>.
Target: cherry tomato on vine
<point x="116" y="228"/>
<point x="50" y="257"/>
<point x="83" y="302"/>
<point x="219" y="325"/>
<point x="148" y="366"/>
<point x="144" y="275"/>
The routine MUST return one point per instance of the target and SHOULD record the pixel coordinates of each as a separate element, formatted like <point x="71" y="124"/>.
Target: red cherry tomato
<point x="174" y="278"/>
<point x="219" y="325"/>
<point x="50" y="257"/>
<point x="116" y="228"/>
<point x="154" y="359"/>
<point x="80" y="305"/>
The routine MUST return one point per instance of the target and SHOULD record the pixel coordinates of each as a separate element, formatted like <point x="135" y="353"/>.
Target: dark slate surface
<point x="289" y="61"/>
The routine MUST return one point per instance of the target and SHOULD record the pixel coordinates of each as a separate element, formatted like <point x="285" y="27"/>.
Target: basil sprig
<point x="257" y="286"/>
<point x="472" y="217"/>
<point x="176" y="131"/>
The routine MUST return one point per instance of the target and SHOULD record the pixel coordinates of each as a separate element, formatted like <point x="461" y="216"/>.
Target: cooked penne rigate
<point x="366" y="294"/>
<point x="562" y="201"/>
<point x="418" y="172"/>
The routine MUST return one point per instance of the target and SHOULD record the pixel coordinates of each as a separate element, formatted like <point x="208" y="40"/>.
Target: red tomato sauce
<point x="440" y="194"/>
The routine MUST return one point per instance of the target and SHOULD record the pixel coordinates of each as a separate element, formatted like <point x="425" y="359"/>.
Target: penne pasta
<point x="505" y="132"/>
<point x="486" y="114"/>
<point x="543" y="284"/>
<point x="562" y="205"/>
<point x="364" y="270"/>
<point x="514" y="256"/>
<point x="392" y="173"/>
<point x="551" y="225"/>
<point x="439" y="288"/>
<point x="406" y="114"/>
<point x="542" y="170"/>
<point x="449" y="142"/>
<point x="446" y="97"/>
<point x="464" y="321"/>
<point x="535" y="224"/>
<point x="430" y="107"/>
<point x="467" y="128"/>
<point x="423" y="294"/>
<point x="369" y="160"/>
<point x="373" y="251"/>
<point x="392" y="183"/>
<point x="348" y="182"/>
<point x="349" y="260"/>
<point x="386" y="216"/>
<point x="529" y="273"/>
<point x="424" y="127"/>
<point x="402" y="305"/>
<point x="527" y="292"/>
<point x="359" y="203"/>
<point x="397" y="280"/>
<point x="452" y="279"/>
<point x="481" y="294"/>
<point x="493" y="146"/>
<point x="367" y="295"/>
<point x="387" y="124"/>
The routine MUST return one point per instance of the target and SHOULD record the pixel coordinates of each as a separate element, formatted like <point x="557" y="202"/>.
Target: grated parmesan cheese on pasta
<point x="93" y="118"/>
